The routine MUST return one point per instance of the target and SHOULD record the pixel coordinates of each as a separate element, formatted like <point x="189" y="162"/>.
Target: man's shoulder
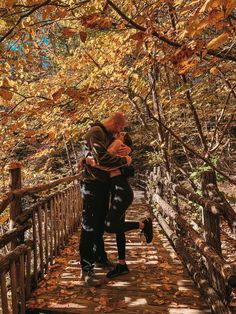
<point x="96" y="129"/>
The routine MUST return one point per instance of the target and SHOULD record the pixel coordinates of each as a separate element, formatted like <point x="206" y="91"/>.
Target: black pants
<point x="95" y="206"/>
<point x="121" y="199"/>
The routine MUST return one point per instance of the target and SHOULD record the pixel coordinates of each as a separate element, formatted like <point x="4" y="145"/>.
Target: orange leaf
<point x="57" y="94"/>
<point x="210" y="4"/>
<point x="77" y="94"/>
<point x="68" y="32"/>
<point x="231" y="4"/>
<point x="138" y="36"/>
<point x="83" y="36"/>
<point x="95" y="20"/>
<point x="5" y="94"/>
<point x="29" y="133"/>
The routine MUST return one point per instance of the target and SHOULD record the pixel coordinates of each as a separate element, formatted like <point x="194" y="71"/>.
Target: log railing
<point x="35" y="236"/>
<point x="199" y="247"/>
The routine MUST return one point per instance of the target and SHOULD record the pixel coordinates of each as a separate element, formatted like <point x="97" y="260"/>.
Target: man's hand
<point x="128" y="160"/>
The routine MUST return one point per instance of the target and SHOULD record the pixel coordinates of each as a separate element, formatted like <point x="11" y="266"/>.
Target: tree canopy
<point x="169" y="65"/>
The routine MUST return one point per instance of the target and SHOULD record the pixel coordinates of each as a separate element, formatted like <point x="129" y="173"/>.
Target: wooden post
<point x="211" y="224"/>
<point x="15" y="207"/>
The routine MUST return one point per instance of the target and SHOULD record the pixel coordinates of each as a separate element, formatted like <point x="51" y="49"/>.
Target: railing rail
<point x="201" y="254"/>
<point x="34" y="237"/>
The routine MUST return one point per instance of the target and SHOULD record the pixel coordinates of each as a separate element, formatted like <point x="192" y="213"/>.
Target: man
<point x="95" y="191"/>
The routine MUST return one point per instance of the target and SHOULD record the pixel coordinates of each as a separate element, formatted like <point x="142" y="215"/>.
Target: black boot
<point x="148" y="230"/>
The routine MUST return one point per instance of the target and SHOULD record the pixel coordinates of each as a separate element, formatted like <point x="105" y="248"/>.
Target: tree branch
<point x="22" y="17"/>
<point x="191" y="149"/>
<point x="172" y="43"/>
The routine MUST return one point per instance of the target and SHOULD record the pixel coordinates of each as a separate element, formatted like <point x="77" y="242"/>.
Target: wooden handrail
<point x="195" y="271"/>
<point x="12" y="256"/>
<point x="6" y="200"/>
<point x="44" y="187"/>
<point x="12" y="234"/>
<point x="216" y="208"/>
<point x="219" y="263"/>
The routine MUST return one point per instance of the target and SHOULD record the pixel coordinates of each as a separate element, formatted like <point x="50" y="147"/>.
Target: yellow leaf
<point x="140" y="19"/>
<point x="178" y="2"/>
<point x="214" y="71"/>
<point x="218" y="41"/>
<point x="8" y="83"/>
<point x="3" y="24"/>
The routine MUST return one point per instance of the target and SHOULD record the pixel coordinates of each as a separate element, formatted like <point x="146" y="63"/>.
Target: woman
<point x="121" y="199"/>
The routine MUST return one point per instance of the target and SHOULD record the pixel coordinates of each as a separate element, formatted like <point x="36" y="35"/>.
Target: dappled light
<point x="99" y="98"/>
<point x="157" y="282"/>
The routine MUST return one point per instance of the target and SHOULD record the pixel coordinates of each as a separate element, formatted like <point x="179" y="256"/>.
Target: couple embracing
<point x="106" y="195"/>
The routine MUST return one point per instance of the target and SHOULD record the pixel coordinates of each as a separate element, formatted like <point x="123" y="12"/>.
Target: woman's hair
<point x="128" y="141"/>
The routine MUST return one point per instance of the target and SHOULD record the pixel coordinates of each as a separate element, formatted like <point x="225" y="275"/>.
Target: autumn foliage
<point x="168" y="64"/>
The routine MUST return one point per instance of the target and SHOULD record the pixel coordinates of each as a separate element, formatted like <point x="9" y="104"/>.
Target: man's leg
<point x="89" y="196"/>
<point x="99" y="249"/>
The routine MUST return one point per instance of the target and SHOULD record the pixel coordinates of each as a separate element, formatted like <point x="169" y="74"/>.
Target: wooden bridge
<point x="39" y="269"/>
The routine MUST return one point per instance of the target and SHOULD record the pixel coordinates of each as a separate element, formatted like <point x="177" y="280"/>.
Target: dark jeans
<point x="121" y="199"/>
<point x="95" y="197"/>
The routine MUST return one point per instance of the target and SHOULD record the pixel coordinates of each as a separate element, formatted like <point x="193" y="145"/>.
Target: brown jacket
<point x="98" y="140"/>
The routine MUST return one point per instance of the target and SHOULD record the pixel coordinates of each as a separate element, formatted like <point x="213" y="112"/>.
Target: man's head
<point x="115" y="123"/>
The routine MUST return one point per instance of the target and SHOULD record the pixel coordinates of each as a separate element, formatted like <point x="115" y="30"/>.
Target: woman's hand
<point x="128" y="160"/>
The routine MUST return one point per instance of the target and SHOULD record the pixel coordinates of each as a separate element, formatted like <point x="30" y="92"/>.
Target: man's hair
<point x="117" y="118"/>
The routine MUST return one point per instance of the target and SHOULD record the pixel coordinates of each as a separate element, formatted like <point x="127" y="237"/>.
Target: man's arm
<point x="96" y="140"/>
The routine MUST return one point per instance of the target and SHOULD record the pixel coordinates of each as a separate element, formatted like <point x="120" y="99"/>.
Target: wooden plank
<point x="40" y="231"/>
<point x="51" y="207"/>
<point x="22" y="283"/>
<point x="4" y="300"/>
<point x="55" y="225"/>
<point x="28" y="274"/>
<point x="46" y="237"/>
<point x="59" y="221"/>
<point x="14" y="295"/>
<point x="66" y="215"/>
<point x="70" y="213"/>
<point x="35" y="248"/>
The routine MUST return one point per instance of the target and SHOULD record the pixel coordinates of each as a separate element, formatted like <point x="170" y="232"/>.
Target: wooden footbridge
<point x="40" y="272"/>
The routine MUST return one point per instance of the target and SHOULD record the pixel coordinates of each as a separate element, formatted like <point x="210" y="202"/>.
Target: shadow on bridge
<point x="157" y="282"/>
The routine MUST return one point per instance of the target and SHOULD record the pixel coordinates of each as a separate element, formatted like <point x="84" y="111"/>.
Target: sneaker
<point x="147" y="230"/>
<point x="118" y="270"/>
<point x="90" y="279"/>
<point x="104" y="264"/>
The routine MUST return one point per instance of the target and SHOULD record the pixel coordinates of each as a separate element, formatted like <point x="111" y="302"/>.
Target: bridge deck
<point x="157" y="282"/>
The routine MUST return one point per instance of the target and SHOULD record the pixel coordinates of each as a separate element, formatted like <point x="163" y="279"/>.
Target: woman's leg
<point x="121" y="199"/>
<point x="121" y="268"/>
